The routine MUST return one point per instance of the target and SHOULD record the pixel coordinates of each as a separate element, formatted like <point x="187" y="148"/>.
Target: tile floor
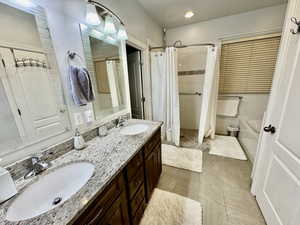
<point x="188" y="138"/>
<point x="223" y="189"/>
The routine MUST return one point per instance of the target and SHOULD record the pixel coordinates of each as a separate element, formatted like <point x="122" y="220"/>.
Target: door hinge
<point x="143" y="99"/>
<point x="19" y="112"/>
<point x="3" y="62"/>
<point x="141" y="63"/>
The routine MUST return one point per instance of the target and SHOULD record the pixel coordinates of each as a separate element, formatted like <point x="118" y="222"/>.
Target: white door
<point x="33" y="92"/>
<point x="135" y="84"/>
<point x="277" y="176"/>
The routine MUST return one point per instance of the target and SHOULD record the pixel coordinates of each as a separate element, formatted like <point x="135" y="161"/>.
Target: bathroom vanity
<point x="126" y="171"/>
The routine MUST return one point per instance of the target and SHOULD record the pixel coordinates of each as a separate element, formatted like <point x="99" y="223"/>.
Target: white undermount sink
<point x="50" y="191"/>
<point x="134" y="129"/>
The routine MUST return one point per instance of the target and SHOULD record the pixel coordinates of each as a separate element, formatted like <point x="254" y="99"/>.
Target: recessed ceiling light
<point x="189" y="14"/>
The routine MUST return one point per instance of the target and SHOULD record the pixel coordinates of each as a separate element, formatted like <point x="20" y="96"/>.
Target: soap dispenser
<point x="79" y="142"/>
<point x="8" y="187"/>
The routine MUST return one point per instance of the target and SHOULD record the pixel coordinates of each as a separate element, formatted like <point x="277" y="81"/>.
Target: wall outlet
<point x="89" y="116"/>
<point x="78" y="119"/>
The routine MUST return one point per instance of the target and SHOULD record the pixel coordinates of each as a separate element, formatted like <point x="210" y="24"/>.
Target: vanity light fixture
<point x="109" y="27"/>
<point x="92" y="16"/>
<point x="189" y="14"/>
<point x="122" y="34"/>
<point x="97" y="34"/>
<point x="83" y="26"/>
<point x="111" y="40"/>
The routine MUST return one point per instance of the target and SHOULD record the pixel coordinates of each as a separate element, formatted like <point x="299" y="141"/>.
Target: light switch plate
<point x="78" y="119"/>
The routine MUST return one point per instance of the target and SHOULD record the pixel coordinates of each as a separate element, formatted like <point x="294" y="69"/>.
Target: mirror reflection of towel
<point x="80" y="85"/>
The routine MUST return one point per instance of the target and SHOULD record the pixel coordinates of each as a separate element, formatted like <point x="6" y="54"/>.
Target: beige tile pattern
<point x="223" y="189"/>
<point x="188" y="138"/>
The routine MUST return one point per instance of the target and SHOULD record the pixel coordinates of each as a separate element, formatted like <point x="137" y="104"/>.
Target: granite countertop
<point x="109" y="154"/>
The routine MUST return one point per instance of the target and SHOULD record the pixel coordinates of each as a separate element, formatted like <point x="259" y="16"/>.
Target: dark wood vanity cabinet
<point x="124" y="200"/>
<point x="117" y="214"/>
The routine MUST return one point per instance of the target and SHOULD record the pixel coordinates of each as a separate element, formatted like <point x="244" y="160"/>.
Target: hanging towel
<point x="228" y="107"/>
<point x="80" y="85"/>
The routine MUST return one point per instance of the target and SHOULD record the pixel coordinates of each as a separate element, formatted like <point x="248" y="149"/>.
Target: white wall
<point x="64" y="17"/>
<point x="266" y="20"/>
<point x="191" y="59"/>
<point x="262" y="20"/>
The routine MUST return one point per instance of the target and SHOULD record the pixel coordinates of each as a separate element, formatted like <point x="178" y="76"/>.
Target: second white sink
<point x="134" y="129"/>
<point x="50" y="191"/>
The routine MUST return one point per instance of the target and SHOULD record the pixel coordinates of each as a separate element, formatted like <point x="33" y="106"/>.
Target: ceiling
<point x="170" y="13"/>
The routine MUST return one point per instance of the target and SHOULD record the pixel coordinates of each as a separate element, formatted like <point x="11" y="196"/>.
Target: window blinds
<point x="248" y="66"/>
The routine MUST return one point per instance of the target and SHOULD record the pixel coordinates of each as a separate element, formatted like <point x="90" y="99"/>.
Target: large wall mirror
<point x="105" y="59"/>
<point x="32" y="107"/>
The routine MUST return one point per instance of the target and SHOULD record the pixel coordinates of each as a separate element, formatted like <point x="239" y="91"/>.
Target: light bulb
<point x="122" y="34"/>
<point x="92" y="16"/>
<point x="189" y="14"/>
<point x="111" y="40"/>
<point x="109" y="27"/>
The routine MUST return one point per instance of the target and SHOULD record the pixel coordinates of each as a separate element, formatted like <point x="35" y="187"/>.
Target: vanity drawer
<point x="151" y="144"/>
<point x="139" y="214"/>
<point x="136" y="182"/>
<point x="102" y="202"/>
<point x="134" y="165"/>
<point x="138" y="198"/>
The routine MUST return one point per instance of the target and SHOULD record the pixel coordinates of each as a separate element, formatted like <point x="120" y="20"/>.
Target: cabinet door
<point x="118" y="213"/>
<point x="151" y="170"/>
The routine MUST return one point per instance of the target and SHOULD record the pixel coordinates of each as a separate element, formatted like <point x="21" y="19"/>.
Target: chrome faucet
<point x="120" y="122"/>
<point x="37" y="167"/>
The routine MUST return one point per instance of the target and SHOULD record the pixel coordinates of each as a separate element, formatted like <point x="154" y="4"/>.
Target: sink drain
<point x="56" y="201"/>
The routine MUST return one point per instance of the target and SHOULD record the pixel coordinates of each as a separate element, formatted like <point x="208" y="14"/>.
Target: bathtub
<point x="249" y="135"/>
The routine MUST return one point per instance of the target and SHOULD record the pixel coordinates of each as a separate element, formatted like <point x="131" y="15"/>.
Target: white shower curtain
<point x="112" y="74"/>
<point x="208" y="115"/>
<point x="165" y="94"/>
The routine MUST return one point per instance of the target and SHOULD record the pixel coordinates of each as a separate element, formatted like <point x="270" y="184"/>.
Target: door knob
<point x="270" y="129"/>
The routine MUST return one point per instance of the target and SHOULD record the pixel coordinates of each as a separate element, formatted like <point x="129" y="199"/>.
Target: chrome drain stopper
<point x="56" y="201"/>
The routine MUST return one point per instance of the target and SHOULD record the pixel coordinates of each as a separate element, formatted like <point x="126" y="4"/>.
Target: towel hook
<point x="297" y="22"/>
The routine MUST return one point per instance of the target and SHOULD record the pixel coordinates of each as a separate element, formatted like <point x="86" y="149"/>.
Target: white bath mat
<point x="184" y="158"/>
<point x="228" y="147"/>
<point x="167" y="208"/>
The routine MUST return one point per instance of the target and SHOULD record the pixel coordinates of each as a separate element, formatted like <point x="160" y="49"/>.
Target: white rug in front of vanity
<point x="166" y="208"/>
<point x="227" y="146"/>
<point x="184" y="158"/>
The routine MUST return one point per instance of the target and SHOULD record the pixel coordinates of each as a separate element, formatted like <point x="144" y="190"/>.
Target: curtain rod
<point x="182" y="46"/>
